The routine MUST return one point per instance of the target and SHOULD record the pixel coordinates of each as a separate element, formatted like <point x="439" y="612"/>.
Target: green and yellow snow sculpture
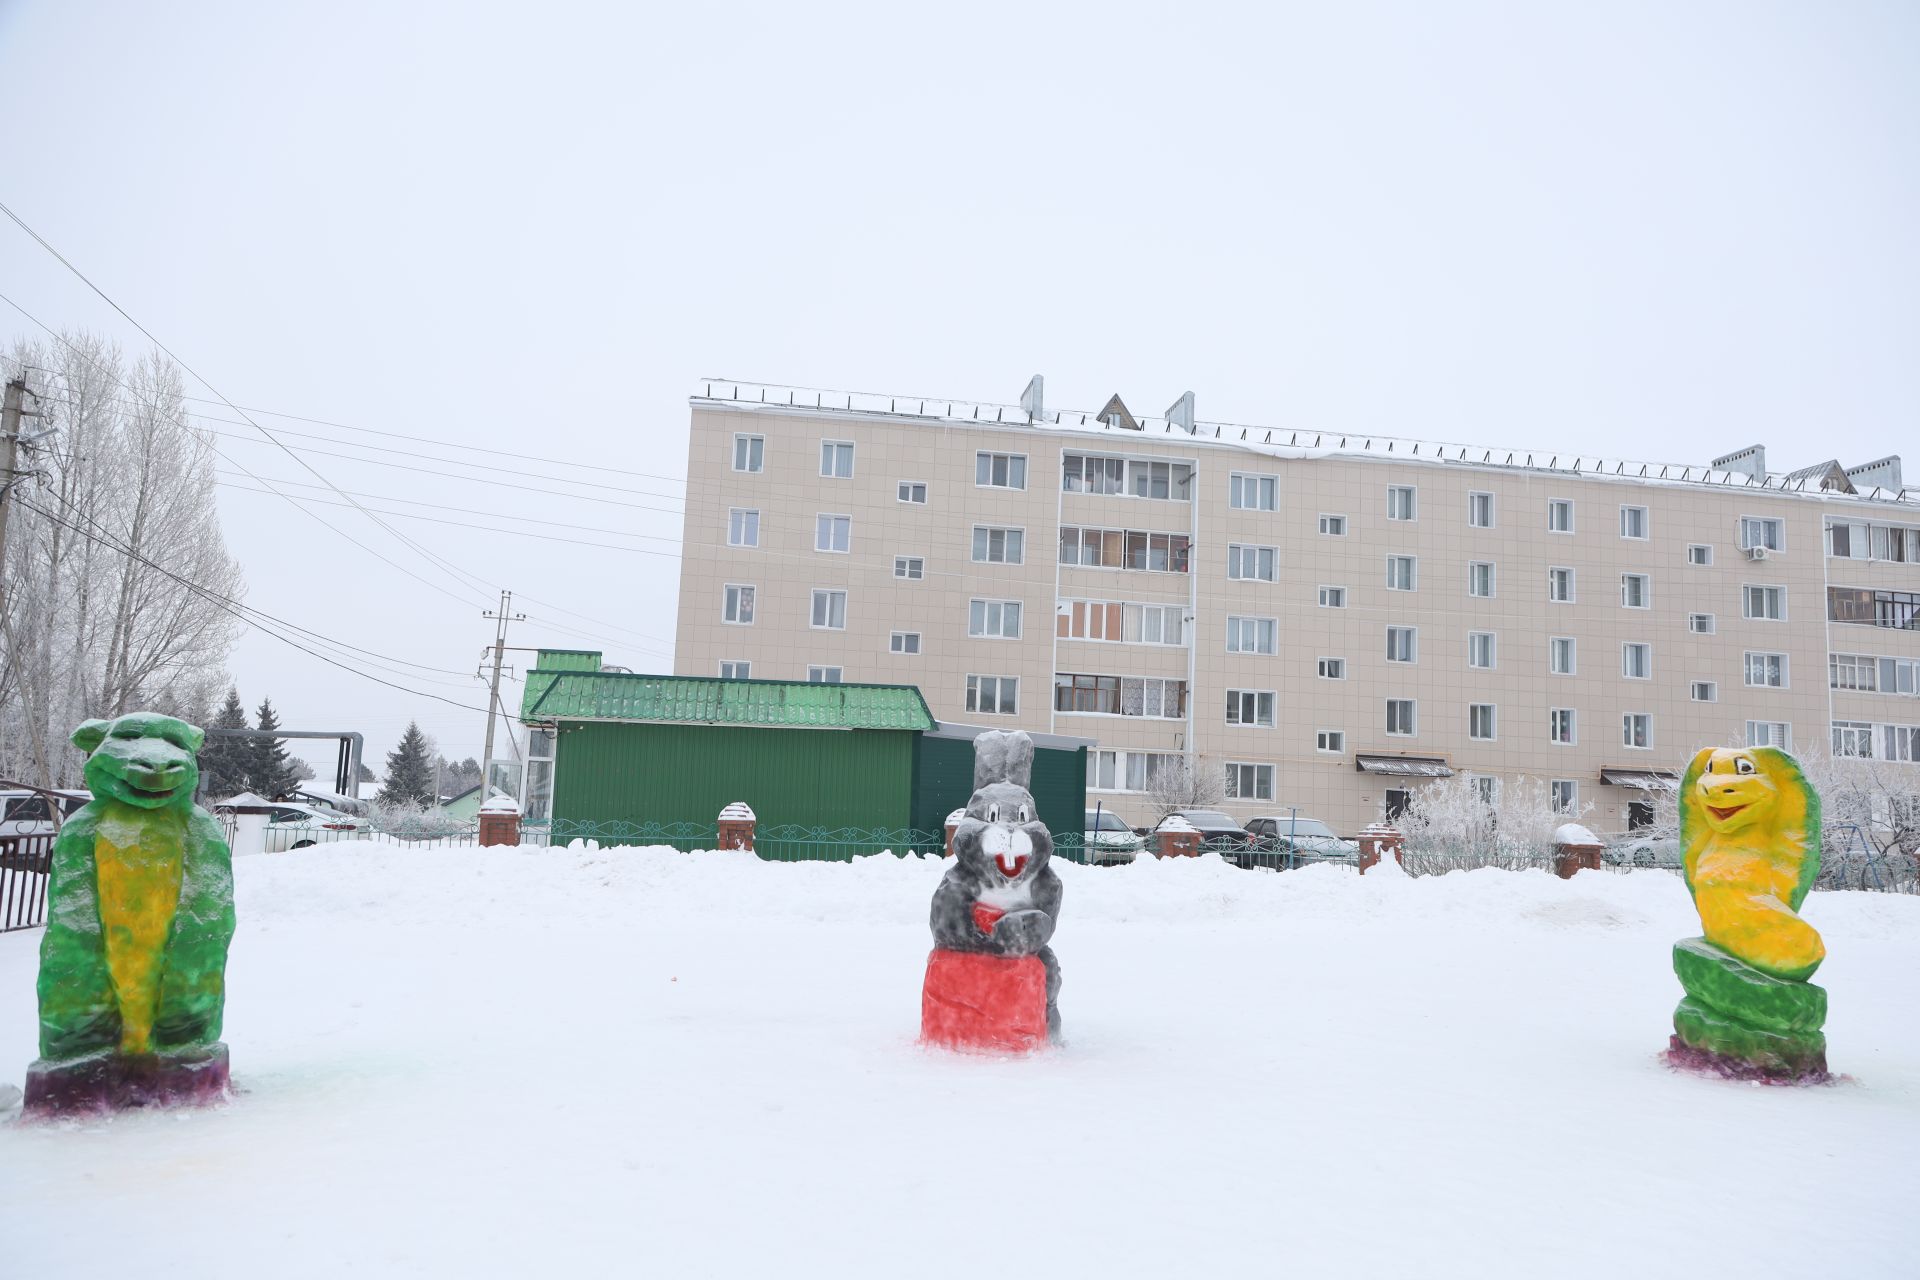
<point x="139" y="915"/>
<point x="1750" y="843"/>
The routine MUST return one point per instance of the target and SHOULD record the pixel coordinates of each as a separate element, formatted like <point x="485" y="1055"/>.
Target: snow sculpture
<point x="139" y="915"/>
<point x="992" y="982"/>
<point x="1750" y="843"/>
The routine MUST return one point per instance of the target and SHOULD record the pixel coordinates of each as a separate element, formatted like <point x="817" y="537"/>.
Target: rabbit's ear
<point x="1020" y="760"/>
<point x="990" y="758"/>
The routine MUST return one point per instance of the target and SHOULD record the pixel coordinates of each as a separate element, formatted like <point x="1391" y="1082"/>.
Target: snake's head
<point x="1735" y="791"/>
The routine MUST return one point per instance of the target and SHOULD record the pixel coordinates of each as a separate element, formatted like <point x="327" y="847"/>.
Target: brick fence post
<point x="1575" y="849"/>
<point x="736" y="827"/>
<point x="500" y="821"/>
<point x="1175" y="837"/>
<point x="1377" y="839"/>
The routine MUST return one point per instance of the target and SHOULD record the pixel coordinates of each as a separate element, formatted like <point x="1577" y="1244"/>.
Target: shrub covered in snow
<point x="1452" y="827"/>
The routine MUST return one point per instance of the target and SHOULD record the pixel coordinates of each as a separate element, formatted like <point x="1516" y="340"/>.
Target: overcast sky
<point x="1654" y="230"/>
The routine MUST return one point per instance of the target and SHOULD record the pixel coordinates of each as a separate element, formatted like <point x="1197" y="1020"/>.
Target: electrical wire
<point x="498" y="515"/>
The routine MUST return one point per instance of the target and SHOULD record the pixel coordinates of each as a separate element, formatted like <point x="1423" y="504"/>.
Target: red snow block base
<point x="115" y="1082"/>
<point x="993" y="1003"/>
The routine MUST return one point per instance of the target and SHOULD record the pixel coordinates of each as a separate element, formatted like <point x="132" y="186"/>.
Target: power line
<point x="499" y="515"/>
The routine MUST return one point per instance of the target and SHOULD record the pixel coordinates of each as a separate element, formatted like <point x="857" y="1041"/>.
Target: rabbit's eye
<point x="1743" y="766"/>
<point x="1024" y="817"/>
<point x="993" y="813"/>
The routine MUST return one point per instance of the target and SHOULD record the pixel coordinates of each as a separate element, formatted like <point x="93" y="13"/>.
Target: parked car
<point x="1108" y="840"/>
<point x="298" y="826"/>
<point x="1643" y="851"/>
<point x="1288" y="840"/>
<point x="27" y="813"/>
<point x="1217" y="830"/>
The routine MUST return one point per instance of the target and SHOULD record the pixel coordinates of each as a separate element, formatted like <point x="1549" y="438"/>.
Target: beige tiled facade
<point x="789" y="493"/>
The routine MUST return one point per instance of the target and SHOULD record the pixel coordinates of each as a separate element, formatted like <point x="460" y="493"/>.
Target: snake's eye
<point x="1743" y="765"/>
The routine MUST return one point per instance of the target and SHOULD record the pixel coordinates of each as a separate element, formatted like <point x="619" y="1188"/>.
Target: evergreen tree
<point x="224" y="761"/>
<point x="270" y="774"/>
<point x="409" y="770"/>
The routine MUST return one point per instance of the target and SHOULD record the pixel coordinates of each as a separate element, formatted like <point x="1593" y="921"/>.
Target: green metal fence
<point x="790" y="843"/>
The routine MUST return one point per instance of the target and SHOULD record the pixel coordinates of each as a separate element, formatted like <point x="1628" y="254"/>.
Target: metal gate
<point x="24" y="863"/>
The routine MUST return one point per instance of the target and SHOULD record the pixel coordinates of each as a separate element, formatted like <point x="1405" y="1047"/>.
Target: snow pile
<point x="1573" y="833"/>
<point x="467" y="1062"/>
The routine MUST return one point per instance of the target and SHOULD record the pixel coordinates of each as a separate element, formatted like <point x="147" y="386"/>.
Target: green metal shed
<point x="943" y="777"/>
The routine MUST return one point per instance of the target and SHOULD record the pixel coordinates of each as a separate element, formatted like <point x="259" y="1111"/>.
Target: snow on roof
<point x="1272" y="441"/>
<point x="500" y="802"/>
<point x="1573" y="833"/>
<point x="737" y="812"/>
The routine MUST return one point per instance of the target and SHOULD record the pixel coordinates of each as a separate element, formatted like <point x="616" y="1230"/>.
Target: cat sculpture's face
<point x="145" y="760"/>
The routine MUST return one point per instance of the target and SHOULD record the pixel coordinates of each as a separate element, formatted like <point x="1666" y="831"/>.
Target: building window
<point x="1636" y="730"/>
<point x="1400" y="573"/>
<point x="1119" y="622"/>
<point x="1480" y="510"/>
<point x="1701" y="624"/>
<point x="1250" y="563"/>
<point x="1127" y="770"/>
<point x="1088" y="473"/>
<point x="1333" y="668"/>
<point x="743" y="528"/>
<point x="832" y="533"/>
<point x="1400" y="644"/>
<point x="1150" y="697"/>
<point x="1853" y="671"/>
<point x="1560" y="515"/>
<point x="1252" y="635"/>
<point x="1636" y="591"/>
<point x="739" y="605"/>
<point x="1249" y="782"/>
<point x="1560" y="585"/>
<point x="1633" y="522"/>
<point x="1770" y="733"/>
<point x="1172" y="481"/>
<point x="1334" y="740"/>
<point x="539" y="788"/>
<point x="1400" y="502"/>
<point x="1704" y="691"/>
<point x="1762" y="531"/>
<point x="830" y="609"/>
<point x="1253" y="493"/>
<point x="1561" y="656"/>
<point x="1700" y="554"/>
<point x="903" y="642"/>
<point x="1766" y="670"/>
<point x="1333" y="526"/>
<point x="1486" y="790"/>
<point x="836" y="459"/>
<point x="913" y="491"/>
<point x="1560" y="726"/>
<point x="823" y="675"/>
<point x="1874" y="608"/>
<point x="1400" y="717"/>
<point x="1250" y="708"/>
<point x="1000" y="470"/>
<point x="1480" y="721"/>
<point x="1125" y="549"/>
<point x="1396" y="802"/>
<point x="999" y="619"/>
<point x="1900" y="675"/>
<point x="1480" y="579"/>
<point x="913" y="568"/>
<point x="1768" y="603"/>
<point x="749" y="453"/>
<point x="736" y="670"/>
<point x="1482" y="650"/>
<point x="1333" y="597"/>
<point x="993" y="695"/>
<point x="1853" y="739"/>
<point x="999" y="546"/>
<point x="1566" y="794"/>
<point x="1636" y="660"/>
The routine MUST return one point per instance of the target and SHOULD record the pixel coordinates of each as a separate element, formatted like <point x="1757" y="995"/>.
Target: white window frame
<point x="743" y="597"/>
<point x="1627" y="719"/>
<point x="898" y="640"/>
<point x="1627" y="649"/>
<point x="829" y="471"/>
<point x="1238" y="554"/>
<point x="1573" y="726"/>
<point x="1778" y="525"/>
<point x="736" y="669"/>
<point x="1239" y="699"/>
<point x="1646" y="522"/>
<point x="1711" y="628"/>
<point x="1768" y="592"/>
<point x="1570" y="788"/>
<point x="986" y="610"/>
<point x="993" y="456"/>
<point x="1847" y="734"/>
<point x="828" y="523"/>
<point x="1492" y="576"/>
<point x="1257" y="772"/>
<point x="1473" y="509"/>
<point x="1265" y="630"/>
<point x="1493" y="650"/>
<point x="1558" y="504"/>
<point x="1766" y="666"/>
<point x="1785" y="735"/>
<point x="1333" y="524"/>
<point x="1258" y="485"/>
<point x="990" y="530"/>
<point x="826" y="675"/>
<point x="738" y="521"/>
<point x="1492" y="718"/>
<point x="1646" y="590"/>
<point x="813" y="610"/>
<point x="1412" y="564"/>
<point x="1712" y="688"/>
<point x="1330" y="741"/>
<point x="1412" y="729"/>
<point x="905" y="493"/>
<point x="749" y="439"/>
<point x="1573" y="584"/>
<point x="903" y="568"/>
<point x="1412" y="636"/>
<point x="973" y="687"/>
<point x="1337" y="601"/>
<point x="1705" y="562"/>
<point x="1411" y="504"/>
<point x="1331" y="669"/>
<point x="1573" y="655"/>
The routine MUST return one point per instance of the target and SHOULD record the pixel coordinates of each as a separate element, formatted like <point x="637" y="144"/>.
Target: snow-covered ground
<point x="647" y="1063"/>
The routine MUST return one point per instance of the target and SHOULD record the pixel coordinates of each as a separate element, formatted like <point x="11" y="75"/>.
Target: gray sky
<point x="1653" y="230"/>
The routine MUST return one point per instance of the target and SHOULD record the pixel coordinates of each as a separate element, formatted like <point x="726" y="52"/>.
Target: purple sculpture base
<point x="106" y="1082"/>
<point x="1684" y="1057"/>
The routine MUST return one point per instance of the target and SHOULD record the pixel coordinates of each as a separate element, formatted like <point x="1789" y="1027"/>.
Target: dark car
<point x="1289" y="841"/>
<point x="1219" y="832"/>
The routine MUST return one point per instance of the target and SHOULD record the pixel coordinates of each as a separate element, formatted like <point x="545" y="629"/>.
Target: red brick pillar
<point x="1575" y="849"/>
<point x="736" y="827"/>
<point x="1377" y="839"/>
<point x="499" y="822"/>
<point x="953" y="825"/>
<point x="1175" y="837"/>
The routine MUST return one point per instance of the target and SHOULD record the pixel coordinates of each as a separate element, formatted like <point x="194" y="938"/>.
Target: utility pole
<point x="10" y="413"/>
<point x="501" y="617"/>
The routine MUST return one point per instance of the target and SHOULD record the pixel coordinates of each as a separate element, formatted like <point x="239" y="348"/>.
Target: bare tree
<point x="115" y="560"/>
<point x="1450" y="825"/>
<point x="1869" y="820"/>
<point x="1179" y="784"/>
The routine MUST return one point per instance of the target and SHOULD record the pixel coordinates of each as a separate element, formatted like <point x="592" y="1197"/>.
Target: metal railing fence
<point x="24" y="864"/>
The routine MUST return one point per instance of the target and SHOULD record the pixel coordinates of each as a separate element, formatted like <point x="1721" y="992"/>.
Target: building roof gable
<point x="790" y="704"/>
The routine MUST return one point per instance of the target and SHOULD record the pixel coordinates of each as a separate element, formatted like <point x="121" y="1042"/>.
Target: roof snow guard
<point x="1644" y="779"/>
<point x="782" y="704"/>
<point x="1403" y="766"/>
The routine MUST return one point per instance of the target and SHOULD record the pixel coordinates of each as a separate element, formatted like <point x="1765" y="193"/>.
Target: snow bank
<point x="554" y="1062"/>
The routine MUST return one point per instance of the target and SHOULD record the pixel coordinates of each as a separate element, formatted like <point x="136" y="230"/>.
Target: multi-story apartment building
<point x="1325" y="620"/>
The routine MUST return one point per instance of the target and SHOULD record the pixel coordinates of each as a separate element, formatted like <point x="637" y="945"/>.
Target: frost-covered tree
<point x="1869" y="818"/>
<point x="113" y="552"/>
<point x="409" y="771"/>
<point x="270" y="771"/>
<point x="1451" y="825"/>
<point x="224" y="762"/>
<point x="1179" y="784"/>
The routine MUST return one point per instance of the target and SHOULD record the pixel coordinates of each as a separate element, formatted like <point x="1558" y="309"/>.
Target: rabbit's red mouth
<point x="1011" y="864"/>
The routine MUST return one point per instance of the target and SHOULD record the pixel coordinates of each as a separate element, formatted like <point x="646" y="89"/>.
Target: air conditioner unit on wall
<point x="1756" y="553"/>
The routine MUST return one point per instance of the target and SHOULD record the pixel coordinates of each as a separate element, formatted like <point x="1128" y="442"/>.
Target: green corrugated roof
<point x="793" y="704"/>
<point x="568" y="660"/>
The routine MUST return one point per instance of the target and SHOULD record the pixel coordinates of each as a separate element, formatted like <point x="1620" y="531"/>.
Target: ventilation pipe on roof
<point x="1034" y="399"/>
<point x="1750" y="461"/>
<point x="1884" y="472"/>
<point x="1180" y="413"/>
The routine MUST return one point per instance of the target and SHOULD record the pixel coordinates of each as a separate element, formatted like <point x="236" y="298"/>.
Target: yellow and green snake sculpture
<point x="1750" y="841"/>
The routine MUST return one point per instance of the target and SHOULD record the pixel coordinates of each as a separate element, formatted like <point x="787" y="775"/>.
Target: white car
<point x="25" y="813"/>
<point x="298" y="826"/>
<point x="1108" y="840"/>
